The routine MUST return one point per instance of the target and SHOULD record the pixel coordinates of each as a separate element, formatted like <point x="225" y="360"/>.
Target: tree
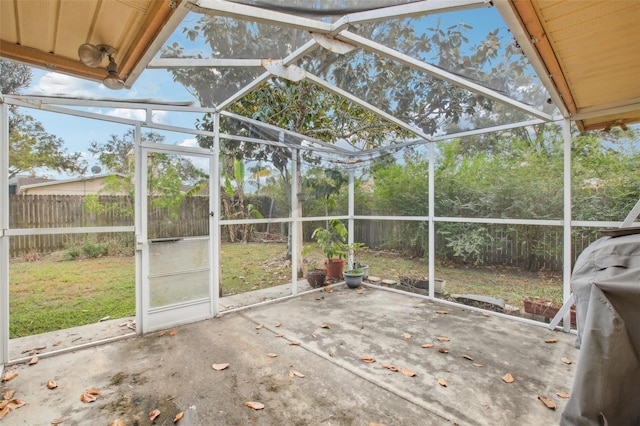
<point x="31" y="147"/>
<point x="167" y="177"/>
<point x="13" y="77"/>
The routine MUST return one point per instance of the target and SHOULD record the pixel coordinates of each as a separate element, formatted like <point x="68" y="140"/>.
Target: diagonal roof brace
<point x="290" y="72"/>
<point x="332" y="44"/>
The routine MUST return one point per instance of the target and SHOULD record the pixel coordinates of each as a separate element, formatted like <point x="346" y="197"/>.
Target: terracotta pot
<point x="334" y="267"/>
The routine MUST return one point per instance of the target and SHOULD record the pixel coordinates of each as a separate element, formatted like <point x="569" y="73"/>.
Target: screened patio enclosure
<point x="390" y="82"/>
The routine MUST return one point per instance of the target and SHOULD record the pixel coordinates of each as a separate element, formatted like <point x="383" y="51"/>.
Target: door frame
<point x="150" y="319"/>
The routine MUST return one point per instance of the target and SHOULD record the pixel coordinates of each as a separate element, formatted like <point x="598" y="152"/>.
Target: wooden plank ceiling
<point x="47" y="33"/>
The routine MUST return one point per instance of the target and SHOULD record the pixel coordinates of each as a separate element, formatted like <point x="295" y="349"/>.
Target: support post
<point x="140" y="227"/>
<point x="351" y="214"/>
<point x="4" y="239"/>
<point x="215" y="232"/>
<point x="295" y="217"/>
<point x="566" y="274"/>
<point x="432" y="227"/>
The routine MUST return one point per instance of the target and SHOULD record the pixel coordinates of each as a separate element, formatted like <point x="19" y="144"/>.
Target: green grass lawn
<point x="53" y="294"/>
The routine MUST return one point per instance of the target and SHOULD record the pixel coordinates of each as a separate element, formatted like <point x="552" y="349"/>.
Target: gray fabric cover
<point x="606" y="286"/>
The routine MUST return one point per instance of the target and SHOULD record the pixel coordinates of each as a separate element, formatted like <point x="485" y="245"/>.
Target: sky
<point x="158" y="85"/>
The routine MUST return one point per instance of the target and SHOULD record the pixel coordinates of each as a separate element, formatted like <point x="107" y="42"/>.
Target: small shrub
<point x="72" y="253"/>
<point x="91" y="249"/>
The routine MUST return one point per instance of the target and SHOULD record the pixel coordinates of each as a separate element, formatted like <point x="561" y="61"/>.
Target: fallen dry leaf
<point x="255" y="405"/>
<point x="443" y="350"/>
<point x="15" y="404"/>
<point x="294" y="344"/>
<point x="9" y="375"/>
<point x="406" y="335"/>
<point x="294" y="373"/>
<point x="475" y="364"/>
<point x="427" y="345"/>
<point x="220" y="367"/>
<point x="103" y="319"/>
<point x="279" y="335"/>
<point x="368" y="359"/>
<point x="486" y="314"/>
<point x="173" y="333"/>
<point x="314" y="335"/>
<point x="57" y="421"/>
<point x="118" y="422"/>
<point x="33" y="361"/>
<point x="508" y="378"/>
<point x="566" y="360"/>
<point x="442" y="312"/>
<point x="546" y="401"/>
<point x="8" y="394"/>
<point x="93" y="391"/>
<point x="162" y="333"/>
<point x="259" y="326"/>
<point x="3" y="412"/>
<point x="551" y="341"/>
<point x="376" y="424"/>
<point x="3" y="403"/>
<point x="407" y="372"/>
<point x="328" y="289"/>
<point x="562" y="395"/>
<point x="442" y="382"/>
<point x="319" y="297"/>
<point x="279" y="324"/>
<point x="86" y="397"/>
<point x="154" y="414"/>
<point x="443" y="339"/>
<point x="359" y="291"/>
<point x="51" y="384"/>
<point x="58" y="343"/>
<point x="390" y="367"/>
<point x="467" y="357"/>
<point x="178" y="417"/>
<point x="272" y="355"/>
<point x="325" y="326"/>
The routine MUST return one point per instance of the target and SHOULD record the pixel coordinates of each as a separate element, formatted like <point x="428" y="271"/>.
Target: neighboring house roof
<point x="54" y="186"/>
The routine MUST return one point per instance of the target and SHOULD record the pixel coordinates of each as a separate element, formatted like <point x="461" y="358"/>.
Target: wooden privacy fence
<point x="525" y="246"/>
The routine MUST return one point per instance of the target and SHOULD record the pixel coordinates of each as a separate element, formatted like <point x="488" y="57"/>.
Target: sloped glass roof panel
<point x="427" y="103"/>
<point x="475" y="44"/>
<point x="218" y="37"/>
<point x="326" y="10"/>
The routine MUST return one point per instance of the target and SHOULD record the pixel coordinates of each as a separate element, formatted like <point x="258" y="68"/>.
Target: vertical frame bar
<point x="351" y="213"/>
<point x="295" y="217"/>
<point x="142" y="249"/>
<point x="432" y="227"/>
<point x="4" y="239"/>
<point x="214" y="220"/>
<point x="566" y="227"/>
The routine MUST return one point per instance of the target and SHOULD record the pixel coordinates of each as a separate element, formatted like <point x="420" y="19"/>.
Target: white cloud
<point x="53" y="83"/>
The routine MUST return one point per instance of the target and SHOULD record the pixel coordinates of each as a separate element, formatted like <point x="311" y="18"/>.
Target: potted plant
<point x="358" y="265"/>
<point x="316" y="276"/>
<point x="332" y="242"/>
<point x="353" y="278"/>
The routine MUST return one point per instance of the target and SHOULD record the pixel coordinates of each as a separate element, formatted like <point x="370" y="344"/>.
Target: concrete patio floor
<point x="324" y="336"/>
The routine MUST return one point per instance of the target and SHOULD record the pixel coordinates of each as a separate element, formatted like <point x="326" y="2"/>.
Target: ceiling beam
<point x="34" y="57"/>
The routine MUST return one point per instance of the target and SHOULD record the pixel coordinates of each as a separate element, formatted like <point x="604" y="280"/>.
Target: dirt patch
<point x="134" y="409"/>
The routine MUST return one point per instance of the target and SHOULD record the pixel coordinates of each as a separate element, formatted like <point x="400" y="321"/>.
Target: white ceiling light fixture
<point x="92" y="56"/>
